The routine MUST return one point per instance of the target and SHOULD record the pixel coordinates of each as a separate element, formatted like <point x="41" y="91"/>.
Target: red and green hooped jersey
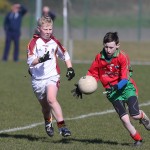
<point x="111" y="71"/>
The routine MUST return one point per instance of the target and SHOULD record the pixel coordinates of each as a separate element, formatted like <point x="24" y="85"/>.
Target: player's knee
<point x="136" y="117"/>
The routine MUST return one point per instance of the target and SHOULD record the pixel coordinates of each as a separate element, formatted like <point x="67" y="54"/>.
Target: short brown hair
<point x="111" y="37"/>
<point x="44" y="20"/>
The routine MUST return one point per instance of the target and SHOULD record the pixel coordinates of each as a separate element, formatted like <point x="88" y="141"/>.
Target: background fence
<point x="91" y="19"/>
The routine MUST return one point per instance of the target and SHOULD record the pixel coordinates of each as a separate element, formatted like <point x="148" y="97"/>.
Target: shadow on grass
<point x="63" y="140"/>
<point x="90" y="141"/>
<point x="21" y="136"/>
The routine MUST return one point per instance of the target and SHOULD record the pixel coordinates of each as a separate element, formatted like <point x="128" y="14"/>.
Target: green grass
<point x="86" y="49"/>
<point x="19" y="107"/>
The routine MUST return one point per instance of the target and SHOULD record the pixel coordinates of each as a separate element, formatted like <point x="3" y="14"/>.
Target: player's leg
<point x="52" y="90"/>
<point x="46" y="110"/>
<point x="145" y="120"/>
<point x="121" y="110"/>
<point x="53" y="103"/>
<point x="39" y="88"/>
<point x="136" y="113"/>
<point x="133" y="132"/>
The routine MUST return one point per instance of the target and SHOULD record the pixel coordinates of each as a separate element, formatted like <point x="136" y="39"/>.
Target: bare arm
<point x="68" y="63"/>
<point x="35" y="62"/>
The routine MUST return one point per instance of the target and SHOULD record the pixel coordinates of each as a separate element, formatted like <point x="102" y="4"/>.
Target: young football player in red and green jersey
<point x="112" y="68"/>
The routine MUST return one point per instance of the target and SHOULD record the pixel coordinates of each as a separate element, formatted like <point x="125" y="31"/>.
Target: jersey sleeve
<point x="94" y="69"/>
<point x="62" y="53"/>
<point x="31" y="55"/>
<point x="125" y="66"/>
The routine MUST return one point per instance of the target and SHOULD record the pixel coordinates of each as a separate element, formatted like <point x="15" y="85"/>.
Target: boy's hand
<point x="70" y="73"/>
<point x="76" y="92"/>
<point x="44" y="58"/>
<point x="111" y="89"/>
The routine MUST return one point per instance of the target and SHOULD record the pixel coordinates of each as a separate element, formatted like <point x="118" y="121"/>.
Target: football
<point x="87" y="84"/>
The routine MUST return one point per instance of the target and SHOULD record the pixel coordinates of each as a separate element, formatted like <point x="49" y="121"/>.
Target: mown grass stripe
<point x="75" y="118"/>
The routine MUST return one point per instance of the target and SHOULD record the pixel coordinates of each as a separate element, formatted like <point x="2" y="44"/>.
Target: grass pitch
<point x="85" y="50"/>
<point x="93" y="127"/>
<point x="20" y="108"/>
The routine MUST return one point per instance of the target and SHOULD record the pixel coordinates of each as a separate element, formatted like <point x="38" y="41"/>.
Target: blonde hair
<point x="44" y="20"/>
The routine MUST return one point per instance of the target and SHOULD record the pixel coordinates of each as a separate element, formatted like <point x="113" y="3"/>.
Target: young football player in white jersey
<point x="43" y="51"/>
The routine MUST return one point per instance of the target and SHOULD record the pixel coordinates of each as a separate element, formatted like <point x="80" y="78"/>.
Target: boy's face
<point x="110" y="48"/>
<point x="46" y="31"/>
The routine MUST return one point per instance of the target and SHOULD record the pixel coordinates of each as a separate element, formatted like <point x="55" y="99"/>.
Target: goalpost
<point x="67" y="37"/>
<point x="38" y="9"/>
<point x="65" y="23"/>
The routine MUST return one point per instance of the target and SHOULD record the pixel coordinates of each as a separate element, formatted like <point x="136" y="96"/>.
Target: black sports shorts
<point x="132" y="103"/>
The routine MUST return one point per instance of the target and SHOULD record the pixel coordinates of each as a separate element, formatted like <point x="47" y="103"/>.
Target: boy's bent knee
<point x="137" y="117"/>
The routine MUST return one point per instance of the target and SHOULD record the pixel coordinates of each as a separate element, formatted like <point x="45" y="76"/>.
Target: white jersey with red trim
<point x="37" y="47"/>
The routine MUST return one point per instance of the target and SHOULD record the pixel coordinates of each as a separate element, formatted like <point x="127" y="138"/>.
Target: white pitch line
<point x="75" y="118"/>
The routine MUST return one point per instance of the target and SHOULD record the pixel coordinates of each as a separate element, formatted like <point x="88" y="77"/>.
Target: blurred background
<point x="80" y="25"/>
<point x="87" y="20"/>
<point x="90" y="19"/>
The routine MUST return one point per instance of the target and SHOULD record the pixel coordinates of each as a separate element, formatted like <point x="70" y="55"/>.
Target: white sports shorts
<point x="40" y="86"/>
